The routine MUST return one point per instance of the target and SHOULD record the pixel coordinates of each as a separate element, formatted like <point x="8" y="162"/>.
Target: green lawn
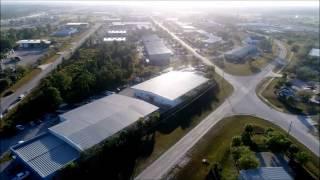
<point x="163" y="141"/>
<point x="25" y="79"/>
<point x="214" y="146"/>
<point x="247" y="68"/>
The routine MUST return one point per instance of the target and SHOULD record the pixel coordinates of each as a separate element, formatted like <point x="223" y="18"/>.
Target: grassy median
<point x="215" y="145"/>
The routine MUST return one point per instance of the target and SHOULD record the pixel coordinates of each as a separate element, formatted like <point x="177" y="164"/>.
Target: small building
<point x="265" y="173"/>
<point x="156" y="50"/>
<point x="80" y="129"/>
<point x="114" y="39"/>
<point x="241" y="53"/>
<point x="169" y="89"/>
<point x="65" y="32"/>
<point x="79" y="25"/>
<point x="33" y="43"/>
<point x="314" y="53"/>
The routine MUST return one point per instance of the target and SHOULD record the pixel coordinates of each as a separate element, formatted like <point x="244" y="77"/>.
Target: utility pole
<point x="289" y="129"/>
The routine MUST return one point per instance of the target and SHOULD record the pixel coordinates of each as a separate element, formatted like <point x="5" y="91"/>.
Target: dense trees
<point x="10" y="76"/>
<point x="90" y="71"/>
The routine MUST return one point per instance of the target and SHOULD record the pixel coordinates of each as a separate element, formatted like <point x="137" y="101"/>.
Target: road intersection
<point x="243" y="101"/>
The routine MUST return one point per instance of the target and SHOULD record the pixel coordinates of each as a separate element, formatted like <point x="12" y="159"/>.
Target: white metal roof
<point x="92" y="123"/>
<point x="172" y="85"/>
<point x="117" y="31"/>
<point x="110" y="39"/>
<point x="46" y="154"/>
<point x="33" y="41"/>
<point x="76" y="23"/>
<point x="314" y="52"/>
<point x="265" y="173"/>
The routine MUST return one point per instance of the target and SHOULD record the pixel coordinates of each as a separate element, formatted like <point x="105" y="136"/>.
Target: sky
<point x="215" y="3"/>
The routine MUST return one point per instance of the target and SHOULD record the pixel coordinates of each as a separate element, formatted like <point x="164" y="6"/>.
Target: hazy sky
<point x="248" y="3"/>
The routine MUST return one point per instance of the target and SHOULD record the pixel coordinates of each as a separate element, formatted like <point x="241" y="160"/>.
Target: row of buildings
<point x="88" y="125"/>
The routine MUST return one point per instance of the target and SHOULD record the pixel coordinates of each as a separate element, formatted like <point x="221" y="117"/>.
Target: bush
<point x="246" y="138"/>
<point x="302" y="157"/>
<point x="278" y="142"/>
<point x="248" y="161"/>
<point x="236" y="141"/>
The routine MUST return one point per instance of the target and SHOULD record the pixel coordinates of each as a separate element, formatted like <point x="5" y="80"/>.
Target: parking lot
<point x="26" y="57"/>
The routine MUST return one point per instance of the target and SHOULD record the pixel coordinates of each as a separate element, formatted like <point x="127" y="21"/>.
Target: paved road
<point x="8" y="101"/>
<point x="243" y="101"/>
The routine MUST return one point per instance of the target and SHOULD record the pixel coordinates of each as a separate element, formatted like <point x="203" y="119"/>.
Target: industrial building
<point x="112" y="39"/>
<point x="265" y="173"/>
<point x="239" y="54"/>
<point x="169" y="89"/>
<point x="33" y="43"/>
<point x="253" y="40"/>
<point x="80" y="129"/>
<point x="79" y="25"/>
<point x="314" y="53"/>
<point x="157" y="52"/>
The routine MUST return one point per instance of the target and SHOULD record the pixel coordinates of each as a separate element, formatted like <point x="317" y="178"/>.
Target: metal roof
<point x="92" y="123"/>
<point x="46" y="154"/>
<point x="111" y="39"/>
<point x="242" y="51"/>
<point x="33" y="41"/>
<point x="154" y="45"/>
<point x="314" y="52"/>
<point x="265" y="173"/>
<point x="172" y="85"/>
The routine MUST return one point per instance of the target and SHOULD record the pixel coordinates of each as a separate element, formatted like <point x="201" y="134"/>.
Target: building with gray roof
<point x="45" y="154"/>
<point x="82" y="128"/>
<point x="265" y="173"/>
<point x="156" y="50"/>
<point x="169" y="88"/>
<point x="314" y="53"/>
<point x="239" y="54"/>
<point x="90" y="124"/>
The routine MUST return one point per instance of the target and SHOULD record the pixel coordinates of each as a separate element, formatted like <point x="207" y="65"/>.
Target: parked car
<point x="20" y="127"/>
<point x="21" y="175"/>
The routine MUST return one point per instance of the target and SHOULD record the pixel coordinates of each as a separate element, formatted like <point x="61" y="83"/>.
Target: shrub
<point x="236" y="141"/>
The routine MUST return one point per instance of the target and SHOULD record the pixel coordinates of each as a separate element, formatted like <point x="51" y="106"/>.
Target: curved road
<point x="243" y="101"/>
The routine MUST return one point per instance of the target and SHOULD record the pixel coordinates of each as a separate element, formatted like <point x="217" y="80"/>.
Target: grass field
<point x="246" y="68"/>
<point x="25" y="79"/>
<point x="214" y="146"/>
<point x="163" y="141"/>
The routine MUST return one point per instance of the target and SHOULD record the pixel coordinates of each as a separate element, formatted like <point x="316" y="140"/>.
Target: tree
<point x="246" y="138"/>
<point x="4" y="84"/>
<point x="237" y="152"/>
<point x="248" y="128"/>
<point x="53" y="97"/>
<point x="292" y="150"/>
<point x="236" y="141"/>
<point x="302" y="157"/>
<point x="295" y="48"/>
<point x="248" y="161"/>
<point x="278" y="142"/>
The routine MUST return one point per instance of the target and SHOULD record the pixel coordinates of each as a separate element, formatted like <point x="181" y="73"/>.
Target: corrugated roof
<point x="265" y="173"/>
<point x="314" y="52"/>
<point x="172" y="85"/>
<point x="154" y="45"/>
<point x="46" y="154"/>
<point x="90" y="124"/>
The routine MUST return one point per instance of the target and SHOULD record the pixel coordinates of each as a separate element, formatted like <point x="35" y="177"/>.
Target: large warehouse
<point x="169" y="89"/>
<point x="82" y="128"/>
<point x="239" y="54"/>
<point x="156" y="50"/>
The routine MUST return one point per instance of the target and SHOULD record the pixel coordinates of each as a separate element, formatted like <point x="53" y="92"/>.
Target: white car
<point x="21" y="175"/>
<point x="20" y="127"/>
<point x="21" y="97"/>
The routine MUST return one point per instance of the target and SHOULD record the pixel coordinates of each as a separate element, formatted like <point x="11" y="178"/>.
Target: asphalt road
<point x="243" y="101"/>
<point x="10" y="100"/>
